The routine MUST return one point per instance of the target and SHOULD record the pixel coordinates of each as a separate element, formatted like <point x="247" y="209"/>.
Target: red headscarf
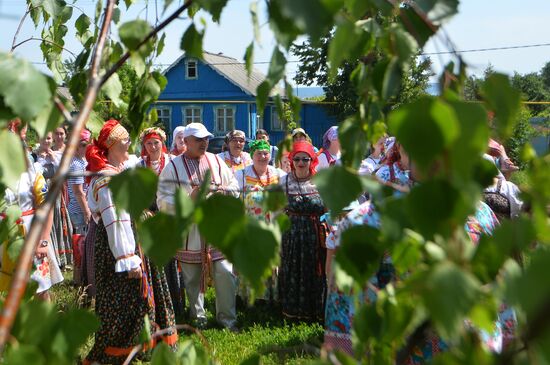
<point x="96" y="152"/>
<point x="306" y="147"/>
<point x="152" y="133"/>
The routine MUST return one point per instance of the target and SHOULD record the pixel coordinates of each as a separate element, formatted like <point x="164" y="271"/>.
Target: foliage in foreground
<point x="449" y="279"/>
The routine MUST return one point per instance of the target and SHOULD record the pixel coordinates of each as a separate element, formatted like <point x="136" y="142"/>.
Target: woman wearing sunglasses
<point x="302" y="275"/>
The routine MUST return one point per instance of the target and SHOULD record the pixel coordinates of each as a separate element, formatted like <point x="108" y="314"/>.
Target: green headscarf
<point x="258" y="145"/>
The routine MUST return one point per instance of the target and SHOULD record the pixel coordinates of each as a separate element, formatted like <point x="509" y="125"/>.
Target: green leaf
<point x="53" y="8"/>
<point x="427" y="119"/>
<point x="47" y="120"/>
<point x="223" y="216"/>
<point x="18" y="80"/>
<point x="131" y="183"/>
<point x="449" y="293"/>
<point x="255" y="22"/>
<point x="116" y="15"/>
<point x="76" y="326"/>
<point x="214" y="7"/>
<point x="82" y="24"/>
<point x="344" y="40"/>
<point x="353" y="140"/>
<point x="113" y="88"/>
<point x="254" y="251"/>
<point x="337" y="199"/>
<point x="133" y="32"/>
<point x="161" y="236"/>
<point x="249" y="58"/>
<point x="163" y="355"/>
<point x="504" y="100"/>
<point x="274" y="198"/>
<point x="276" y="66"/>
<point x="438" y="11"/>
<point x="360" y="252"/>
<point x="435" y="206"/>
<point x="416" y="25"/>
<point x="11" y="168"/>
<point x="472" y="140"/>
<point x="284" y="28"/>
<point x="531" y="289"/>
<point x="160" y="44"/>
<point x="138" y="63"/>
<point x="128" y="3"/>
<point x="191" y="42"/>
<point x="262" y="93"/>
<point x="310" y="16"/>
<point x="508" y="240"/>
<point x="24" y="354"/>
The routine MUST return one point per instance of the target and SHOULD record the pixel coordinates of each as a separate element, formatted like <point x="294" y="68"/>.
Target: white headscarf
<point x="177" y="130"/>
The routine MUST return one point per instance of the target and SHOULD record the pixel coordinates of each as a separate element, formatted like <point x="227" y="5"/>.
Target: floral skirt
<point x="121" y="306"/>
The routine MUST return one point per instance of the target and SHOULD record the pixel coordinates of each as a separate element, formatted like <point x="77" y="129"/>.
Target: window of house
<point x="224" y="119"/>
<point x="276" y="123"/>
<point x="164" y="114"/>
<point x="259" y="122"/>
<point x="191" y="69"/>
<point x="192" y="114"/>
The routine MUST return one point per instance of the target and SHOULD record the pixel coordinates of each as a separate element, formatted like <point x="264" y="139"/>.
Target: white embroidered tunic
<point x="117" y="224"/>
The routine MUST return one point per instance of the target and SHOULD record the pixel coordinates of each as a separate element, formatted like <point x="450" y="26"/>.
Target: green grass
<point x="264" y="331"/>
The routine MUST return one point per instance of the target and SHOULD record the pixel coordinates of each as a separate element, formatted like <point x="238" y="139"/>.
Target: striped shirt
<point x="78" y="165"/>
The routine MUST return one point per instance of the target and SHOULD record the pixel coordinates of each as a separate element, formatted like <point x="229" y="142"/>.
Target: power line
<point x="487" y="49"/>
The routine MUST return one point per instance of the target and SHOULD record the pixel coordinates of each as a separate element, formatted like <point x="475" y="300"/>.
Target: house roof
<point x="234" y="71"/>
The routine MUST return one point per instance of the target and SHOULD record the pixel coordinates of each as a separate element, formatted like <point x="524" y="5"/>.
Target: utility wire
<point x="487" y="49"/>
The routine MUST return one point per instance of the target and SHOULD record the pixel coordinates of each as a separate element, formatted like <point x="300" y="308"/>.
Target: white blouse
<point x="118" y="225"/>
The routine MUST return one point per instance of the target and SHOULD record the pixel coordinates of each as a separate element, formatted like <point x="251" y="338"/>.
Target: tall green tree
<point x="314" y="69"/>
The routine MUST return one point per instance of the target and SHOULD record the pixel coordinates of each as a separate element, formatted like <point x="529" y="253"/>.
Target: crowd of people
<point x="88" y="234"/>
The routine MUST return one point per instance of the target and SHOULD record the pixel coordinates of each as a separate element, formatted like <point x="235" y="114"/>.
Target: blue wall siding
<point x="209" y="85"/>
<point x="315" y="119"/>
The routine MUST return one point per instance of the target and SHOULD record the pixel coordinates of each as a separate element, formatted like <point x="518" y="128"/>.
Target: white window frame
<point x="259" y="122"/>
<point x="168" y="123"/>
<point x="227" y="127"/>
<point x="187" y="63"/>
<point x="193" y="116"/>
<point x="275" y="117"/>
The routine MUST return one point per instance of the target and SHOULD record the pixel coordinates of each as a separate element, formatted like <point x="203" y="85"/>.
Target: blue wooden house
<point x="217" y="91"/>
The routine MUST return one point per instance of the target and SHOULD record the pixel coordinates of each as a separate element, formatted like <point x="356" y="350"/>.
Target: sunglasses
<point x="303" y="159"/>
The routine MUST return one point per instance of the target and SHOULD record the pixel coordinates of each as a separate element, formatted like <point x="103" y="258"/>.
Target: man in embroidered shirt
<point x="189" y="170"/>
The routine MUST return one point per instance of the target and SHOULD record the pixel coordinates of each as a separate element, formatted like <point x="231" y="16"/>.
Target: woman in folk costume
<point x="128" y="286"/>
<point x="302" y="286"/>
<point x="154" y="153"/>
<point x="395" y="170"/>
<point x="154" y="156"/>
<point x="340" y="306"/>
<point x="234" y="156"/>
<point x="197" y="257"/>
<point x="330" y="155"/>
<point x="62" y="232"/>
<point x="253" y="181"/>
<point x="30" y="193"/>
<point x="178" y="143"/>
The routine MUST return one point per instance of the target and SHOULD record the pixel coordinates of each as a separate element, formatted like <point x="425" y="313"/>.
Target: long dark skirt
<point x="121" y="306"/>
<point x="302" y="279"/>
<point x="174" y="277"/>
<point x="87" y="267"/>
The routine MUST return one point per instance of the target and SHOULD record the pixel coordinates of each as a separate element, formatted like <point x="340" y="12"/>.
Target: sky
<point x="480" y="24"/>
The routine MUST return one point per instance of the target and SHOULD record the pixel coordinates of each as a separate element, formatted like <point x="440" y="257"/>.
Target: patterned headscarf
<point x="96" y="152"/>
<point x="306" y="147"/>
<point x="330" y="135"/>
<point x="258" y="145"/>
<point x="234" y="134"/>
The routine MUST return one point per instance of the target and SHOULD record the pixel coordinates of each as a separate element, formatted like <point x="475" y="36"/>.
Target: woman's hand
<point x="41" y="250"/>
<point x="135" y="273"/>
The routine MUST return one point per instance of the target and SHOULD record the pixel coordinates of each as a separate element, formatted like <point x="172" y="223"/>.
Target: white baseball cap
<point x="197" y="130"/>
